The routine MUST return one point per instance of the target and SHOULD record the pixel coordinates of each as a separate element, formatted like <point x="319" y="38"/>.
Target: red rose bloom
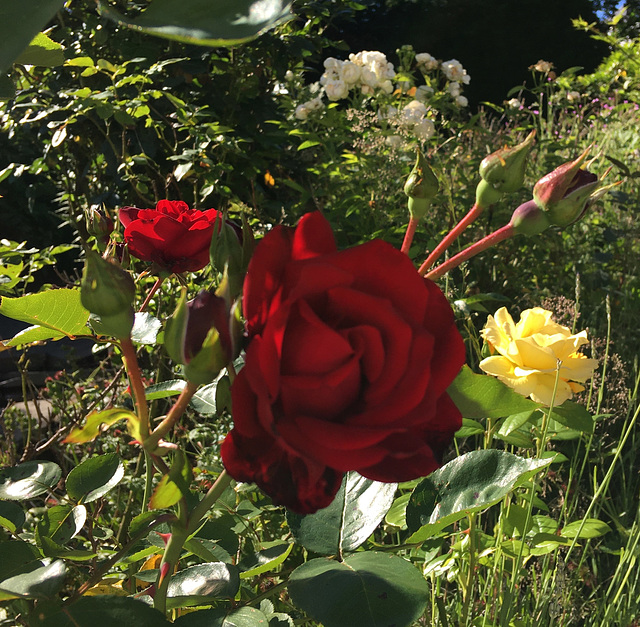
<point x="349" y="359"/>
<point x="172" y="235"/>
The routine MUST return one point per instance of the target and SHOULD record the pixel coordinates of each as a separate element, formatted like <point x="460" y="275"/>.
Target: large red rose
<point x="349" y="359"/>
<point x="172" y="235"/>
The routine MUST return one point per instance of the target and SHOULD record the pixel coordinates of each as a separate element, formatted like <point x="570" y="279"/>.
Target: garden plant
<point x="358" y="356"/>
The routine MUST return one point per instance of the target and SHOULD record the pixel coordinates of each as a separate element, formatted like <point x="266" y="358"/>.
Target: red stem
<point x="408" y="236"/>
<point x="451" y="236"/>
<point x="151" y="293"/>
<point x="137" y="387"/>
<point x="501" y="234"/>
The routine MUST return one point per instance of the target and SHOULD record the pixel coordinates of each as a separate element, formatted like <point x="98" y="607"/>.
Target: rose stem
<point x="172" y="417"/>
<point x="137" y="387"/>
<point x="179" y="535"/>
<point x="408" y="236"/>
<point x="450" y="237"/>
<point x="152" y="291"/>
<point x="501" y="234"/>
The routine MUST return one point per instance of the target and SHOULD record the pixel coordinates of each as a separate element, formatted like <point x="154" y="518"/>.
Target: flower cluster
<point x="453" y="72"/>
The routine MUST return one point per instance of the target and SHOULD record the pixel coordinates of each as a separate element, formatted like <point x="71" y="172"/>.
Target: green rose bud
<point x="99" y="225"/>
<point x="108" y="292"/>
<point x="421" y="187"/>
<point x="529" y="219"/>
<point x="504" y="169"/>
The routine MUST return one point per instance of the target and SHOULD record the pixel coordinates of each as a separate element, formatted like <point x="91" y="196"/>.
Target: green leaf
<point x="207" y="22"/>
<point x="308" y="144"/>
<point x="20" y="22"/>
<point x="397" y="514"/>
<point x="165" y="389"/>
<point x="469" y="483"/>
<point x="574" y="416"/>
<point x="358" y="507"/>
<point x="28" y="480"/>
<point x="481" y="396"/>
<point x="469" y="427"/>
<point x="60" y="523"/>
<point x="174" y="485"/>
<point x="204" y="400"/>
<point x="265" y="560"/>
<point x="10" y="274"/>
<point x="94" y="477"/>
<point x="50" y="548"/>
<point x="587" y="528"/>
<point x="12" y="516"/>
<point x="17" y="557"/>
<point x="57" y="313"/>
<point x="244" y="617"/>
<point x="368" y="589"/>
<point x="145" y="328"/>
<point x="40" y="583"/>
<point x="99" y="611"/>
<point x="513" y="422"/>
<point x="201" y="584"/>
<point x="94" y="423"/>
<point x="42" y="51"/>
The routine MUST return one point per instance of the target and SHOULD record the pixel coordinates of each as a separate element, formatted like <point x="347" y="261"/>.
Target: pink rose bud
<point x="529" y="219"/>
<point x="565" y="193"/>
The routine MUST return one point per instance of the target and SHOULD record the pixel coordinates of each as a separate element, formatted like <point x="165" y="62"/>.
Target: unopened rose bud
<point x="202" y="334"/>
<point x="529" y="219"/>
<point x="504" y="169"/>
<point x="565" y="193"/>
<point x="421" y="187"/>
<point x="108" y="292"/>
<point x="99" y="225"/>
<point x="230" y="251"/>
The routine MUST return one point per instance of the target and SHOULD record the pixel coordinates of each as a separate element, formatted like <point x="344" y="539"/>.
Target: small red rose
<point x="172" y="235"/>
<point x="349" y="358"/>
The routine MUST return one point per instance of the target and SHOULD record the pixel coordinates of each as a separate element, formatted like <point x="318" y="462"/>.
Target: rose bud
<point x="529" y="219"/>
<point x="421" y="187"/>
<point x="99" y="225"/>
<point x="504" y="169"/>
<point x="227" y="252"/>
<point x="108" y="291"/>
<point x="201" y="334"/>
<point x="565" y="193"/>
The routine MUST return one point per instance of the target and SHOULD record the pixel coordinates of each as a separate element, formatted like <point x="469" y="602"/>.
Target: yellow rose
<point x="529" y="353"/>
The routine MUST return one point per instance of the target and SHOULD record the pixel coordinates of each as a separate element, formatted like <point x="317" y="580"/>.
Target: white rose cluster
<point x="304" y="110"/>
<point x="454" y="71"/>
<point x="413" y="116"/>
<point x="367" y="70"/>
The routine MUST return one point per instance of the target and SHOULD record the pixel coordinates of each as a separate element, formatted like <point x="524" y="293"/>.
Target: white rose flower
<point x="368" y="77"/>
<point x="394" y="141"/>
<point x="424" y="92"/>
<point x="573" y="96"/>
<point x="350" y="73"/>
<point x="315" y="105"/>
<point x="384" y="113"/>
<point x="414" y="112"/>
<point x="289" y="76"/>
<point x="542" y="66"/>
<point x="424" y="129"/>
<point x="387" y="87"/>
<point x="336" y="90"/>
<point x="454" y="71"/>
<point x="332" y="64"/>
<point x="514" y="103"/>
<point x="366" y="90"/>
<point x="302" y="112"/>
<point x="426" y="61"/>
<point x="454" y="89"/>
<point x="461" y="101"/>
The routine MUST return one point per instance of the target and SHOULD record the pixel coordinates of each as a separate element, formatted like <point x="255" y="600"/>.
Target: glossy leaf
<point x="574" y="416"/>
<point x="28" y="480"/>
<point x="20" y="22"/>
<point x="100" y="611"/>
<point x="174" y="485"/>
<point x="55" y="313"/>
<point x="95" y="422"/>
<point x="588" y="528"/>
<point x="201" y="584"/>
<point x="368" y="589"/>
<point x="17" y="557"/>
<point x="207" y="22"/>
<point x="243" y="617"/>
<point x="265" y="560"/>
<point x="145" y="328"/>
<point x="469" y="483"/>
<point x="42" y="582"/>
<point x="356" y="511"/>
<point x="12" y="516"/>
<point x="481" y="396"/>
<point x="165" y="389"/>
<point x="94" y="477"/>
<point x="60" y="523"/>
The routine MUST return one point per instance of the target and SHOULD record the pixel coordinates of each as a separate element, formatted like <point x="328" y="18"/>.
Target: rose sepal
<point x="504" y="169"/>
<point x="421" y="187"/>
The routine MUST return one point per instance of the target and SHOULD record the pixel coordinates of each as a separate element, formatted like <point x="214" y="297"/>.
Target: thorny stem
<point x="501" y="234"/>
<point x="172" y="417"/>
<point x="451" y="236"/>
<point x="408" y="236"/>
<point x="137" y="387"/>
<point x="152" y="291"/>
